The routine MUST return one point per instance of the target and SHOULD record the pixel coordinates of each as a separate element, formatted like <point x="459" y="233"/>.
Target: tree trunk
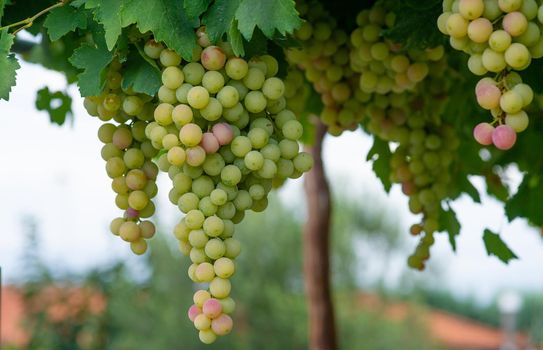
<point x="322" y="331"/>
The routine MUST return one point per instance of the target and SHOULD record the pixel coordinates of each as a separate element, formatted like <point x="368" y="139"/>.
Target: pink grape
<point x="209" y="143"/>
<point x="504" y="137"/>
<point x="212" y="308"/>
<point x="222" y="325"/>
<point x="488" y="94"/>
<point x="194" y="311"/>
<point x="195" y="156"/>
<point x="515" y="23"/>
<point x="132" y="213"/>
<point x="223" y="132"/>
<point x="483" y="133"/>
<point x="213" y="58"/>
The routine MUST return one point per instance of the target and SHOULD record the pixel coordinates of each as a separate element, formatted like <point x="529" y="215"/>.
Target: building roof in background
<point x="449" y="330"/>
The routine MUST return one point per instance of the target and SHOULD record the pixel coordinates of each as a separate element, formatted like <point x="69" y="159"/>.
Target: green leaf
<point x="195" y="8"/>
<point x="167" y="20"/>
<point x="527" y="201"/>
<point x="141" y="75"/>
<point x="58" y="104"/>
<point x="495" y="246"/>
<point x="108" y="13"/>
<point x="63" y="20"/>
<point x="2" y="5"/>
<point x="235" y="39"/>
<point x="93" y="61"/>
<point x="8" y="65"/>
<point x="380" y="155"/>
<point x="449" y="223"/>
<point x="219" y="18"/>
<point x="269" y="16"/>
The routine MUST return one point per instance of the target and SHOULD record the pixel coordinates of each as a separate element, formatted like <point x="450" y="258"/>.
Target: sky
<point x="56" y="175"/>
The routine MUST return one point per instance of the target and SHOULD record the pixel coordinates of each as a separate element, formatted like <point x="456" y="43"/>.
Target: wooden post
<point x="322" y="331"/>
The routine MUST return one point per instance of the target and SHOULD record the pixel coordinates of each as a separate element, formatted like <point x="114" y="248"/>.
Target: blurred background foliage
<point x="141" y="303"/>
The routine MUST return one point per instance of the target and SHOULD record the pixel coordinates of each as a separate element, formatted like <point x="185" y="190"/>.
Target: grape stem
<point x="28" y="22"/>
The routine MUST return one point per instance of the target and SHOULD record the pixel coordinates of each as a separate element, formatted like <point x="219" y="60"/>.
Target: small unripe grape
<point x="515" y="23"/>
<point x="196" y="156"/>
<point x="509" y="5"/>
<point x="292" y="130"/>
<point x="153" y="49"/>
<point x="480" y="30"/>
<point x="228" y="96"/>
<point x="205" y="273"/>
<point x="169" y="58"/>
<point x="471" y="9"/>
<point x="499" y="40"/>
<point x="494" y="61"/>
<point x="483" y="133"/>
<point x="213" y="58"/>
<point x="139" y="247"/>
<point x="457" y="26"/>
<point x="518" y="121"/>
<point x="172" y="77"/>
<point x="198" y="97"/>
<point x="213" y="81"/>
<point x="190" y="135"/>
<point x="147" y="229"/>
<point x="202" y="322"/>
<point x="511" y="102"/>
<point x="273" y="88"/>
<point x="488" y="94"/>
<point x="207" y="336"/>
<point x="224" y="267"/>
<point x="504" y="137"/>
<point x="200" y="297"/>
<point x="220" y="288"/>
<point x="223" y="132"/>
<point x="254" y="79"/>
<point x="222" y="325"/>
<point x="129" y="231"/>
<point x="236" y="68"/>
<point x="132" y="105"/>
<point x="517" y="56"/>
<point x="194" y="311"/>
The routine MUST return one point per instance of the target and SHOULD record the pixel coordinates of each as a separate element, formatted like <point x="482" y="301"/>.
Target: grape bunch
<point x="501" y="36"/>
<point x="225" y="136"/>
<point x="128" y="154"/>
<point x="404" y="96"/>
<point x="324" y="60"/>
<point x="384" y="66"/>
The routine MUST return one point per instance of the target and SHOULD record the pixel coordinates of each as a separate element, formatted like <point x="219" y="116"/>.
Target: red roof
<point x="449" y="330"/>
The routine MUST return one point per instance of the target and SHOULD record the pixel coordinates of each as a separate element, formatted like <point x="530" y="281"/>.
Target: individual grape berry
<point x="483" y="133"/>
<point x="504" y="137"/>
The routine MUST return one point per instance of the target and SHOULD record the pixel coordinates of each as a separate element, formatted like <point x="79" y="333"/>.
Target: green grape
<point x="255" y="102"/>
<point x="230" y="175"/>
<point x="194" y="73"/>
<point x="172" y="77"/>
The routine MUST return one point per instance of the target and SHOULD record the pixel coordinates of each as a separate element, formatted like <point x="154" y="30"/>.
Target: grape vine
<point x="219" y="95"/>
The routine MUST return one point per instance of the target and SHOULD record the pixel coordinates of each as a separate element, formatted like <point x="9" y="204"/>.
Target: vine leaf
<point x="140" y="75"/>
<point x="58" y="104"/>
<point x="2" y="5"/>
<point x="166" y="19"/>
<point x="220" y="18"/>
<point x="449" y="223"/>
<point x="8" y="65"/>
<point x="108" y="13"/>
<point x="527" y="201"/>
<point x="269" y="16"/>
<point x="497" y="247"/>
<point x="93" y="61"/>
<point x="380" y="155"/>
<point x="195" y="8"/>
<point x="235" y="40"/>
<point x="63" y="20"/>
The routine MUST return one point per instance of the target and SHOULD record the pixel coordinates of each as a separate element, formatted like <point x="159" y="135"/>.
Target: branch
<point x="28" y="22"/>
